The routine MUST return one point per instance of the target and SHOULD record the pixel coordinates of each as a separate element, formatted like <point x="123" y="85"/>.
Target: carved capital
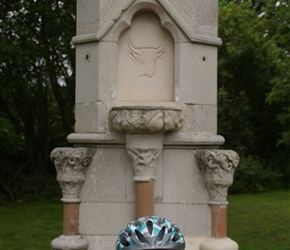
<point x="144" y="162"/>
<point x="71" y="166"/>
<point x="218" y="168"/>
<point x="145" y="120"/>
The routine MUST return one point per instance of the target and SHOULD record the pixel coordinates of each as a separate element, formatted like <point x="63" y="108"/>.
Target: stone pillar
<point x="218" y="168"/>
<point x="144" y="152"/>
<point x="71" y="165"/>
<point x="131" y="85"/>
<point x="144" y="128"/>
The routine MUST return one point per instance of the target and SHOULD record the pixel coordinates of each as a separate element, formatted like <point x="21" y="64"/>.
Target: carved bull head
<point x="145" y="58"/>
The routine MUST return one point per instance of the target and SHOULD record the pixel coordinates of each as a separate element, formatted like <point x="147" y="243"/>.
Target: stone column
<point x="144" y="128"/>
<point x="71" y="166"/>
<point x="144" y="151"/>
<point x="218" y="168"/>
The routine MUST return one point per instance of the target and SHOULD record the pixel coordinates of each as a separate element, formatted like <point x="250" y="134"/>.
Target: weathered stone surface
<point x="158" y="183"/>
<point x="205" y="119"/>
<point x="144" y="162"/>
<point x="193" y="243"/>
<point x="71" y="166"/>
<point x="95" y="75"/>
<point x="106" y="177"/>
<point x="219" y="244"/>
<point x="198" y="19"/>
<point x="195" y="17"/>
<point x="145" y="119"/>
<point x="75" y="242"/>
<point x="196" y="74"/>
<point x="96" y="138"/>
<point x="105" y="219"/>
<point x="98" y="16"/>
<point x="110" y="179"/>
<point x="90" y="118"/>
<point x="146" y="63"/>
<point x="103" y="242"/>
<point x="183" y="182"/>
<point x="194" y="220"/>
<point x="218" y="168"/>
<point x="198" y="119"/>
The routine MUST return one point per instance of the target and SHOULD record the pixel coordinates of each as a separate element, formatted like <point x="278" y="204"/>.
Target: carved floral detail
<point x="218" y="168"/>
<point x="145" y="120"/>
<point x="144" y="163"/>
<point x="71" y="166"/>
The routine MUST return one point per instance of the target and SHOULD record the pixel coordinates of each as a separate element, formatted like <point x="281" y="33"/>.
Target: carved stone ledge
<point x="218" y="168"/>
<point x="144" y="162"/>
<point x="145" y="119"/>
<point x="71" y="166"/>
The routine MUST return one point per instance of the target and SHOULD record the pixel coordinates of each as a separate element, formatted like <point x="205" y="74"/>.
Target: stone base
<point x="75" y="242"/>
<point x="219" y="244"/>
<point x="193" y="243"/>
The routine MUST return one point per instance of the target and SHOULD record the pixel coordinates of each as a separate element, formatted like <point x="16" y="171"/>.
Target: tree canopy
<point x="254" y="81"/>
<point x="37" y="84"/>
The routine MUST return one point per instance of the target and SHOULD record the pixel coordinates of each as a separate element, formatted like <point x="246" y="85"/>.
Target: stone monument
<point x="145" y="140"/>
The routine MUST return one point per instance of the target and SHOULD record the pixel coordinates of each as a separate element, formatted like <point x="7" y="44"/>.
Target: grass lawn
<point x="255" y="222"/>
<point x="260" y="221"/>
<point x="30" y="227"/>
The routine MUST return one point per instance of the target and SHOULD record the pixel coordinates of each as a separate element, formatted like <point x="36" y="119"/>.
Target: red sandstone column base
<point x="218" y="221"/>
<point x="144" y="198"/>
<point x="71" y="218"/>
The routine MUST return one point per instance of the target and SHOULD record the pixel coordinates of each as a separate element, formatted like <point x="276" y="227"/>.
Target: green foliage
<point x="28" y="189"/>
<point x="37" y="86"/>
<point x="252" y="177"/>
<point x="254" y="89"/>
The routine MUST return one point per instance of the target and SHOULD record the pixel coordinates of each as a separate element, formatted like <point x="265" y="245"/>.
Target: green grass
<point x="29" y="227"/>
<point x="260" y="221"/>
<point x="255" y="222"/>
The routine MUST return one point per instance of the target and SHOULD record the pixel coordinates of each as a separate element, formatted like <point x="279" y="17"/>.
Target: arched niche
<point x="145" y="61"/>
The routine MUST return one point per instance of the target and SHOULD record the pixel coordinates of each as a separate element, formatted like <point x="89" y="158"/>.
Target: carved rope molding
<point x="144" y="162"/>
<point x="71" y="165"/>
<point x="145" y="120"/>
<point x="218" y="168"/>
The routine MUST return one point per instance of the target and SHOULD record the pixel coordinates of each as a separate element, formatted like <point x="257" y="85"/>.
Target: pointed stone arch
<point x="176" y="22"/>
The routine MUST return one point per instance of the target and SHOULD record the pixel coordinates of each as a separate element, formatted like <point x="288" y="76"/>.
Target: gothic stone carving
<point x="71" y="166"/>
<point x="145" y="120"/>
<point x="144" y="163"/>
<point x="218" y="168"/>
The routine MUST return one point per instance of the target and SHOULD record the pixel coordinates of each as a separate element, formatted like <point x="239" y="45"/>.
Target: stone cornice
<point x="218" y="168"/>
<point x="71" y="166"/>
